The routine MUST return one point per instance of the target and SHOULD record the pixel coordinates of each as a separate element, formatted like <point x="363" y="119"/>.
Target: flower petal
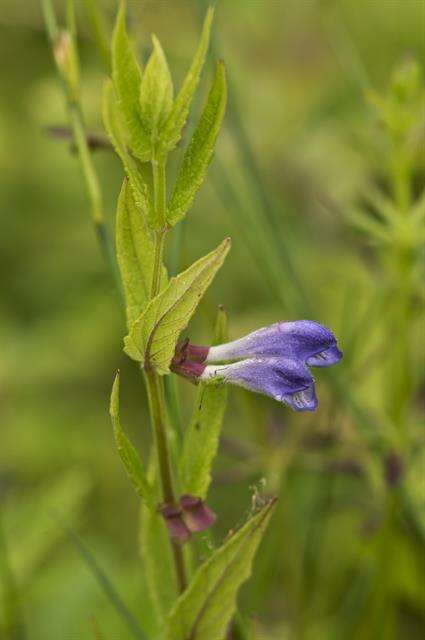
<point x="303" y="400"/>
<point x="196" y="514"/>
<point x="325" y="358"/>
<point x="302" y="339"/>
<point x="280" y="378"/>
<point x="176" y="526"/>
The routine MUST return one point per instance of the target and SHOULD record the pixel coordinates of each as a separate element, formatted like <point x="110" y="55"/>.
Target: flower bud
<point x="175" y="523"/>
<point x="197" y="515"/>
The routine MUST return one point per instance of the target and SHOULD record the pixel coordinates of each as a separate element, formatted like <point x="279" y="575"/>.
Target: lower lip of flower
<point x="325" y="358"/>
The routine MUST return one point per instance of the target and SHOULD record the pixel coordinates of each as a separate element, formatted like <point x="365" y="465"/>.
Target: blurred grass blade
<point x="13" y="623"/>
<point x="103" y="581"/>
<point x="128" y="454"/>
<point x="198" y="155"/>
<point x="180" y="110"/>
<point x="205" y="609"/>
<point x="153" y="337"/>
<point x="202" y="436"/>
<point x="100" y="31"/>
<point x="127" y="77"/>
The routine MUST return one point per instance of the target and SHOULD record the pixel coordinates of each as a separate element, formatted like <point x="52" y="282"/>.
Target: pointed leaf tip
<point x="156" y="92"/>
<point x="199" y="152"/>
<point x="173" y="127"/>
<point x="127" y="76"/>
<point x="127" y="452"/>
<point x="205" y="609"/>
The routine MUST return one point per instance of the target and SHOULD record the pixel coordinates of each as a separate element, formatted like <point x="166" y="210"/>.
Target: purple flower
<point x="175" y="524"/>
<point x="273" y="360"/>
<point x="284" y="379"/>
<point x="191" y="515"/>
<point x="303" y="340"/>
<point x="197" y="515"/>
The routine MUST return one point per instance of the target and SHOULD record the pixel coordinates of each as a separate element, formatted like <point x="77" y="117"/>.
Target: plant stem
<point x="155" y="390"/>
<point x="79" y="133"/>
<point x="154" y="382"/>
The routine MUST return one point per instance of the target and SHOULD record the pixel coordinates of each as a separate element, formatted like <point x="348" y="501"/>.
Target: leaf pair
<point x="153" y="336"/>
<point x="145" y="123"/>
<point x="153" y="120"/>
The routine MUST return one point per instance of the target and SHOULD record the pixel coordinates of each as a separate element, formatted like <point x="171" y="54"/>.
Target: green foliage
<point x="153" y="336"/>
<point x="203" y="433"/>
<point x="127" y="77"/>
<point x="198" y="154"/>
<point x="157" y="560"/>
<point x="205" y="609"/>
<point x="401" y="108"/>
<point x="156" y="93"/>
<point x="135" y="254"/>
<point x="172" y="131"/>
<point x="117" y="134"/>
<point x="128" y="454"/>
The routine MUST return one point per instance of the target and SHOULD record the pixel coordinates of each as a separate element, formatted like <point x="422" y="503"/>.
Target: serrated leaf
<point x="198" y="154"/>
<point x="205" y="609"/>
<point x="158" y="563"/>
<point x="135" y="255"/>
<point x="156" y="91"/>
<point x="128" y="454"/>
<point x="180" y="109"/>
<point x="202" y="436"/>
<point x="127" y="77"/>
<point x="117" y="134"/>
<point x="153" y="336"/>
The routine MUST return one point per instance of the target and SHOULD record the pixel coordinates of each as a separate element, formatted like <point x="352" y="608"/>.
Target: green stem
<point x="155" y="384"/>
<point x="158" y="416"/>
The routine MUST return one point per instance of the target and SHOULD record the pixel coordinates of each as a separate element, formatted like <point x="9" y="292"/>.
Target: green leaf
<point x="158" y="563"/>
<point x="156" y="91"/>
<point x="128" y="454"/>
<point x="118" y="136"/>
<point x="135" y="255"/>
<point x="153" y="337"/>
<point x="127" y="77"/>
<point x="205" y="609"/>
<point x="198" y="154"/>
<point x="180" y="110"/>
<point x="203" y="434"/>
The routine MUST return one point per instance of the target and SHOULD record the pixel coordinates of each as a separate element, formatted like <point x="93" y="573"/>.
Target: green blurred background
<point x="301" y="145"/>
